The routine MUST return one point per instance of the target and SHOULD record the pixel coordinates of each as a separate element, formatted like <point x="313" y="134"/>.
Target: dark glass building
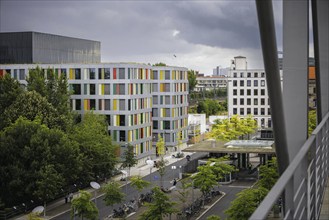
<point x="42" y="48"/>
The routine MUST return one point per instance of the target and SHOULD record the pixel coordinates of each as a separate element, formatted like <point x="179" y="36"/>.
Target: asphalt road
<point x="170" y="174"/>
<point x="225" y="202"/>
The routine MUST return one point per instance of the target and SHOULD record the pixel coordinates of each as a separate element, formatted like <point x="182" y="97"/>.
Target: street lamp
<point x="95" y="186"/>
<point x="151" y="163"/>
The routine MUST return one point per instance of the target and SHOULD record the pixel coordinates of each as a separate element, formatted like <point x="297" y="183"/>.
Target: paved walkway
<point x="59" y="206"/>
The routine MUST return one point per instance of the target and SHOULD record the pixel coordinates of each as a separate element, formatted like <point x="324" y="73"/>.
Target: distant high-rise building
<point x="219" y="71"/>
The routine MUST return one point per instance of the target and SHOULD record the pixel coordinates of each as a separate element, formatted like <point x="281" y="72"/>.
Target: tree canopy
<point x="191" y="74"/>
<point x="84" y="207"/>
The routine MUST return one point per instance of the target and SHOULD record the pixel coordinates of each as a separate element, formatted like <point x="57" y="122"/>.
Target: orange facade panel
<point x="311" y="72"/>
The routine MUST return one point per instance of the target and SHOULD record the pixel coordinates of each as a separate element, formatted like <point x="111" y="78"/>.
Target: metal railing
<point x="306" y="200"/>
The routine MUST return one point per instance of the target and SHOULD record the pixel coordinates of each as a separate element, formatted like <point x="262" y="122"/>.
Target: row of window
<point x="165" y="99"/>
<point x="109" y="73"/>
<point x="253" y="111"/>
<point x="169" y="87"/>
<point x="170" y="136"/>
<point x="253" y="92"/>
<point x="249" y="101"/>
<point x="169" y="112"/>
<point x="112" y="104"/>
<point x="248" y="83"/>
<point x="249" y="74"/>
<point x="170" y="125"/>
<point x="116" y="88"/>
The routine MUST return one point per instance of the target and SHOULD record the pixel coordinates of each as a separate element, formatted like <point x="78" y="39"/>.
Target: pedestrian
<point x="71" y="197"/>
<point x="174" y="182"/>
<point x="66" y="198"/>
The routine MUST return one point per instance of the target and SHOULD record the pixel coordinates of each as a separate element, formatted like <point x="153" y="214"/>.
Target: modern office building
<point x="208" y="83"/>
<point x="247" y="92"/>
<point x="34" y="47"/>
<point x="170" y="106"/>
<point x="120" y="91"/>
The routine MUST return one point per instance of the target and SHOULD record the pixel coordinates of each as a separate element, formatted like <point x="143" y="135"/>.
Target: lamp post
<point x="151" y="163"/>
<point x="95" y="186"/>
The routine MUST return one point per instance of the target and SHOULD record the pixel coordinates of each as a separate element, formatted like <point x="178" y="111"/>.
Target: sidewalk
<point x="59" y="206"/>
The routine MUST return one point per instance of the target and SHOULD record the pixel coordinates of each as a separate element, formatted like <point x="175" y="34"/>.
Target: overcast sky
<point x="201" y="34"/>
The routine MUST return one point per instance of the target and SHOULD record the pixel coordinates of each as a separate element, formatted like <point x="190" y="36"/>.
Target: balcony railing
<point x="306" y="202"/>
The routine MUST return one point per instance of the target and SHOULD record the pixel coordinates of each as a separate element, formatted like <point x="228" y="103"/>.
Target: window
<point x="154" y="87"/>
<point x="235" y="83"/>
<point x="255" y="91"/>
<point x="255" y="101"/>
<point x="248" y="91"/>
<point x="155" y="112"/>
<point x="155" y="124"/>
<point x="122" y="135"/>
<point x="78" y="104"/>
<point x="262" y="91"/>
<point x="119" y="89"/>
<point x="269" y="123"/>
<point x="262" y="111"/>
<point x="241" y="82"/>
<point x="167" y="74"/>
<point x="107" y="89"/>
<point x="255" y="82"/>
<point x="269" y="111"/>
<point x="122" y="120"/>
<point x="155" y="99"/>
<point x="262" y="101"/>
<point x="92" y="73"/>
<point x="255" y="74"/>
<point x="241" y="92"/>
<point x="249" y="83"/>
<point x="21" y="74"/>
<point x="76" y="89"/>
<point x="122" y="73"/>
<point x="248" y="75"/>
<point x="235" y="111"/>
<point x="262" y="83"/>
<point x="241" y="75"/>
<point x="235" y="92"/>
<point x="234" y="75"/>
<point x="248" y="111"/>
<point x="107" y="73"/>
<point x="167" y="100"/>
<point x="255" y="111"/>
<point x="107" y="104"/>
<point x="241" y="101"/>
<point x="166" y="125"/>
<point x="155" y="74"/>
<point x="248" y="101"/>
<point x="263" y="74"/>
<point x="235" y="101"/>
<point x="241" y="111"/>
<point x="77" y="73"/>
<point x="92" y="104"/>
<point x="122" y="105"/>
<point x="92" y="89"/>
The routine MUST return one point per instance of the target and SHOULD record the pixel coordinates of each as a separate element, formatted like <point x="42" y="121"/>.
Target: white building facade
<point x="170" y="106"/>
<point x="120" y="91"/>
<point x="247" y="93"/>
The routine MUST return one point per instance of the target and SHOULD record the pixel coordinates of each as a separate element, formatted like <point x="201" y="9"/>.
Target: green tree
<point x="246" y="203"/>
<point x="160" y="64"/>
<point x="160" y="207"/>
<point x="84" y="207"/>
<point x="51" y="86"/>
<point x="113" y="194"/>
<point x="34" y="216"/>
<point x="48" y="184"/>
<point x="138" y="183"/>
<point x="233" y="128"/>
<point x="97" y="151"/>
<point x="191" y="74"/>
<point x="129" y="159"/>
<point x="213" y="217"/>
<point x="10" y="89"/>
<point x="311" y="121"/>
<point x="31" y="105"/>
<point x="183" y="191"/>
<point x="26" y="148"/>
<point x="161" y="164"/>
<point x="205" y="179"/>
<point x="220" y="168"/>
<point x="268" y="174"/>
